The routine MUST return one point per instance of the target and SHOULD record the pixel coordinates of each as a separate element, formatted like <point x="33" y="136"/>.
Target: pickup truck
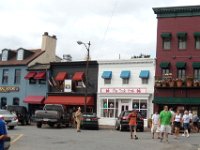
<point x="53" y="115"/>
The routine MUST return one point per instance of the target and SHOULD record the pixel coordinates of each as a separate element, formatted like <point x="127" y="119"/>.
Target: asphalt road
<point x="32" y="138"/>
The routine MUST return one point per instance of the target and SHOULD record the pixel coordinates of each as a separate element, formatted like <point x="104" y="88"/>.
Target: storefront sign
<point x="123" y="90"/>
<point x="68" y="86"/>
<point x="5" y="89"/>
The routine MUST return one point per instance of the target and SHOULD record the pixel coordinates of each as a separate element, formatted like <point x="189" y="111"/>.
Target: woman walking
<point x="177" y="123"/>
<point x="186" y="123"/>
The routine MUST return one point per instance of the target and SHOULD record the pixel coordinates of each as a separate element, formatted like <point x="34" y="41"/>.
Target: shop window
<point x="109" y="108"/>
<point x="32" y="81"/>
<point x="16" y="101"/>
<point x="3" y="102"/>
<point x="17" y="76"/>
<point x="125" y="81"/>
<point x="165" y="71"/>
<point x="5" y="76"/>
<point x="107" y="81"/>
<point x="197" y="42"/>
<point x="140" y="106"/>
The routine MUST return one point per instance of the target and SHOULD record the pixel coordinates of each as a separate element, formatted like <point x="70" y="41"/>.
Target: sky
<point x="115" y="28"/>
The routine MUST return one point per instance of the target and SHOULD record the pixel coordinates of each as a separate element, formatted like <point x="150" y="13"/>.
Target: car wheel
<point x="39" y="124"/>
<point x="11" y="127"/>
<point x="120" y="128"/>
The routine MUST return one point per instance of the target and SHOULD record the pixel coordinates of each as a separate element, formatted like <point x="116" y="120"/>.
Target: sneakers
<point x="136" y="138"/>
<point x="183" y="134"/>
<point x="188" y="136"/>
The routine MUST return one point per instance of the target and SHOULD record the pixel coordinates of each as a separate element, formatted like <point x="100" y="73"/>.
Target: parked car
<point x="53" y="115"/>
<point x="122" y="121"/>
<point x="21" y="112"/>
<point x="10" y="118"/>
<point x="90" y="120"/>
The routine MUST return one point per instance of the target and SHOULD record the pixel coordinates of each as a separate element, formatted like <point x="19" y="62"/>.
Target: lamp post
<point x="87" y="46"/>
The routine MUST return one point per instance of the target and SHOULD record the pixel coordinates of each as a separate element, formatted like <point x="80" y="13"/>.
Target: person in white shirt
<point x="155" y="125"/>
<point x="177" y="123"/>
<point x="186" y="123"/>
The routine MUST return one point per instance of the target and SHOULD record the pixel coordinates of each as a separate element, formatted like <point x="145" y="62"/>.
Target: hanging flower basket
<point x="179" y="83"/>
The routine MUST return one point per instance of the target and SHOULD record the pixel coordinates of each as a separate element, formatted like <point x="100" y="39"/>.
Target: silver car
<point x="10" y="118"/>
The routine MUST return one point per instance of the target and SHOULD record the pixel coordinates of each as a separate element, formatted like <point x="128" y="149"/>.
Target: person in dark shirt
<point x="3" y="133"/>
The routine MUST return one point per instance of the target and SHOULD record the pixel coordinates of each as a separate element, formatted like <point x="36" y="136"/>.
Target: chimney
<point x="48" y="43"/>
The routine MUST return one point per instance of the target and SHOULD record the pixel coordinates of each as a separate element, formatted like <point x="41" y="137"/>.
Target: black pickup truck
<point x="53" y="115"/>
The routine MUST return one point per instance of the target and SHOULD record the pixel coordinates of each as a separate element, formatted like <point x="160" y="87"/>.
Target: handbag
<point x="7" y="141"/>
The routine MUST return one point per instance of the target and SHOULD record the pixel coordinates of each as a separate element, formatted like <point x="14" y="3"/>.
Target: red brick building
<point x="178" y="58"/>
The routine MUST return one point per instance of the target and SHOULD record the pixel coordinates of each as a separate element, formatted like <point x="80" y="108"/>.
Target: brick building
<point x="178" y="58"/>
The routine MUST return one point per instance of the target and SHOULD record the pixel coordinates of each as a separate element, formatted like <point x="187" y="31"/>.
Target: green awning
<point x="166" y="35"/>
<point x="196" y="34"/>
<point x="164" y="64"/>
<point x="176" y="100"/>
<point x="180" y="65"/>
<point x="196" y="65"/>
<point x="181" y="34"/>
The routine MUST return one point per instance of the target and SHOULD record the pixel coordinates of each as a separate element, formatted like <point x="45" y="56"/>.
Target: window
<point x="4" y="55"/>
<point x="166" y="43"/>
<point x="145" y="80"/>
<point x="182" y="43"/>
<point x="109" y="108"/>
<point x="125" y="81"/>
<point x="197" y="42"/>
<point x="42" y="81"/>
<point x="20" y="54"/>
<point x="181" y="74"/>
<point x="107" y="81"/>
<point x="16" y="101"/>
<point x="141" y="106"/>
<point x="197" y="74"/>
<point x="80" y="84"/>
<point x="32" y="81"/>
<point x="165" y="71"/>
<point x="5" y="76"/>
<point x="17" y="76"/>
<point x="3" y="102"/>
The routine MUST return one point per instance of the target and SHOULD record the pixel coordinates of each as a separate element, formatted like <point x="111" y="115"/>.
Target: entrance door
<point x="124" y="107"/>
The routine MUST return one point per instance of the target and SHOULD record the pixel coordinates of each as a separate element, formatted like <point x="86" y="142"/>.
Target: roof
<point x="177" y="11"/>
<point x="39" y="66"/>
<point x="14" y="62"/>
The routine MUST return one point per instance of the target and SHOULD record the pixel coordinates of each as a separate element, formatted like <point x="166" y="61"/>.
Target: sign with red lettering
<point x="123" y="90"/>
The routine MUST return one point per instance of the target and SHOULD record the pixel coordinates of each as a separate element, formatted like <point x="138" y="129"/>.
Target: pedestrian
<point x="164" y="122"/>
<point x="195" y="120"/>
<point x="177" y="123"/>
<point x="155" y="125"/>
<point x="3" y="132"/>
<point x="78" y="116"/>
<point x="172" y="125"/>
<point x="133" y="123"/>
<point x="191" y="123"/>
<point x="186" y="123"/>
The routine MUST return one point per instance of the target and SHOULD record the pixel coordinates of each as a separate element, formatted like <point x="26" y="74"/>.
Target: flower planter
<point x="171" y="84"/>
<point x="158" y="84"/>
<point x="189" y="83"/>
<point x="179" y="83"/>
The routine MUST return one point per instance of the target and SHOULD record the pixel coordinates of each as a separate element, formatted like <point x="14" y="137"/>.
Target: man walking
<point x="164" y="120"/>
<point x="3" y="133"/>
<point x="155" y="123"/>
<point x="78" y="115"/>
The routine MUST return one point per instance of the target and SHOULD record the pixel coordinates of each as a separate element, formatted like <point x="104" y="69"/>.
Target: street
<point x="32" y="138"/>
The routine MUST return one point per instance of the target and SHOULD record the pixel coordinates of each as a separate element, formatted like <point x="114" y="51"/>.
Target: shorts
<point x="155" y="128"/>
<point x="177" y="124"/>
<point x="186" y="126"/>
<point x="165" y="128"/>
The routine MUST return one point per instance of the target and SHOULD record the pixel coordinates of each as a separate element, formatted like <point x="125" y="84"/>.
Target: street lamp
<point x="87" y="46"/>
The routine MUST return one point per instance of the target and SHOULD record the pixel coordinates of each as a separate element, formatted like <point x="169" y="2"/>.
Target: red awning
<point x="78" y="76"/>
<point x="34" y="99"/>
<point x="30" y="75"/>
<point x="61" y="76"/>
<point x="40" y="75"/>
<point x="69" y="100"/>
